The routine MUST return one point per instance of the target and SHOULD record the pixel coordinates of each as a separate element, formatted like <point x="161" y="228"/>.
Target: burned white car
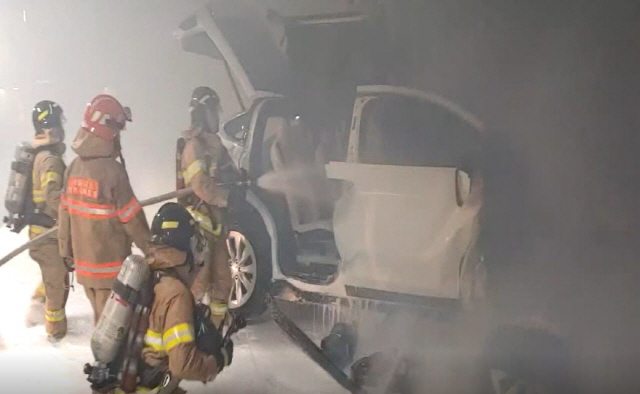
<point x="363" y="190"/>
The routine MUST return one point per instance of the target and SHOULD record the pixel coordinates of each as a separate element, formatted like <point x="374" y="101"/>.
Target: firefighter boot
<point x="55" y="325"/>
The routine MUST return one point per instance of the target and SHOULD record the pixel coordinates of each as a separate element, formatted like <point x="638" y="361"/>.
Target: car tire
<point x="248" y="227"/>
<point x="518" y="359"/>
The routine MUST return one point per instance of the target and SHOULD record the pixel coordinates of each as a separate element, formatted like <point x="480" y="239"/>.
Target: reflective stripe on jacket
<point x="101" y="211"/>
<point x="98" y="270"/>
<point x="164" y="342"/>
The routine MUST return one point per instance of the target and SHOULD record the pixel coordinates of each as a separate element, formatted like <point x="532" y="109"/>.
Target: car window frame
<point x="354" y="154"/>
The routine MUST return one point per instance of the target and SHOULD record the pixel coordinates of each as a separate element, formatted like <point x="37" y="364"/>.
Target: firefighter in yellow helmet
<point x="47" y="179"/>
<point x="202" y="162"/>
<point x="188" y="353"/>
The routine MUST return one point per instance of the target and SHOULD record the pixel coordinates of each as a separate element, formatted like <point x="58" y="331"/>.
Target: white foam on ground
<point x="29" y="363"/>
<point x="264" y="362"/>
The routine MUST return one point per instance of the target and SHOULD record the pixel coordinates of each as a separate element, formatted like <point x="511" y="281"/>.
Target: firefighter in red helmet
<point x="99" y="213"/>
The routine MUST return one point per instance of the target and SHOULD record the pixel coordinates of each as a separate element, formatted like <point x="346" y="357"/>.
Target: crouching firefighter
<point x="204" y="163"/>
<point x="33" y="197"/>
<point x="152" y="334"/>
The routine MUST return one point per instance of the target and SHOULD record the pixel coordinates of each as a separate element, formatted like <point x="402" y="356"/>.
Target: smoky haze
<point x="555" y="82"/>
<point x="73" y="51"/>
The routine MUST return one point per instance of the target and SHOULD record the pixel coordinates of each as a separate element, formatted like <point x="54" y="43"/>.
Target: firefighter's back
<point x="98" y="239"/>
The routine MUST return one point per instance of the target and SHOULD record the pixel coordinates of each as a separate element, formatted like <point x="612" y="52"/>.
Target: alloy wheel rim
<point x="242" y="264"/>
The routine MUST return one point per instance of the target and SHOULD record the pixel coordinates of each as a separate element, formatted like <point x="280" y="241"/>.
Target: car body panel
<point x="397" y="232"/>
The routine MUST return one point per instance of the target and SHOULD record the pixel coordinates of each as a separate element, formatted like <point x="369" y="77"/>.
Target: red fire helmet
<point x="105" y="117"/>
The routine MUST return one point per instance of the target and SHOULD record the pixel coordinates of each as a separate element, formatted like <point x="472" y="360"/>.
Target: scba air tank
<point x="21" y="168"/>
<point x="113" y="324"/>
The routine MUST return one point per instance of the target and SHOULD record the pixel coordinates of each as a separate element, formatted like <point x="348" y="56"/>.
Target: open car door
<point x="408" y="211"/>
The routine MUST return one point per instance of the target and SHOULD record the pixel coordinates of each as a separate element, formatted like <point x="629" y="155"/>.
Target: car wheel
<point x="523" y="360"/>
<point x="249" y="249"/>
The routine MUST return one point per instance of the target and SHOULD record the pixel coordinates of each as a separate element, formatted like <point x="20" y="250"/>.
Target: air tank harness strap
<point x="127" y="293"/>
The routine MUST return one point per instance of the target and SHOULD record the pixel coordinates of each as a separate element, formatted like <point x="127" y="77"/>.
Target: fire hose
<point x="316" y="354"/>
<point x="47" y="234"/>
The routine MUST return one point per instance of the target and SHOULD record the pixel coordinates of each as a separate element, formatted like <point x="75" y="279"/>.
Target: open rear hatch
<point x="242" y="40"/>
<point x="328" y="48"/>
<point x="319" y="56"/>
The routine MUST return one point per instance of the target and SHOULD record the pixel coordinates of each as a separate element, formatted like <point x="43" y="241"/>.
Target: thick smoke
<point x="556" y="83"/>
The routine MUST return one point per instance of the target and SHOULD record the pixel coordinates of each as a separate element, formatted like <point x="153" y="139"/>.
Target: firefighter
<point x="202" y="162"/>
<point x="47" y="178"/>
<point x="99" y="214"/>
<point x="172" y="344"/>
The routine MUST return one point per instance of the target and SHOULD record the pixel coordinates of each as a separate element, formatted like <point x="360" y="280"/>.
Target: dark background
<point x="558" y="86"/>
